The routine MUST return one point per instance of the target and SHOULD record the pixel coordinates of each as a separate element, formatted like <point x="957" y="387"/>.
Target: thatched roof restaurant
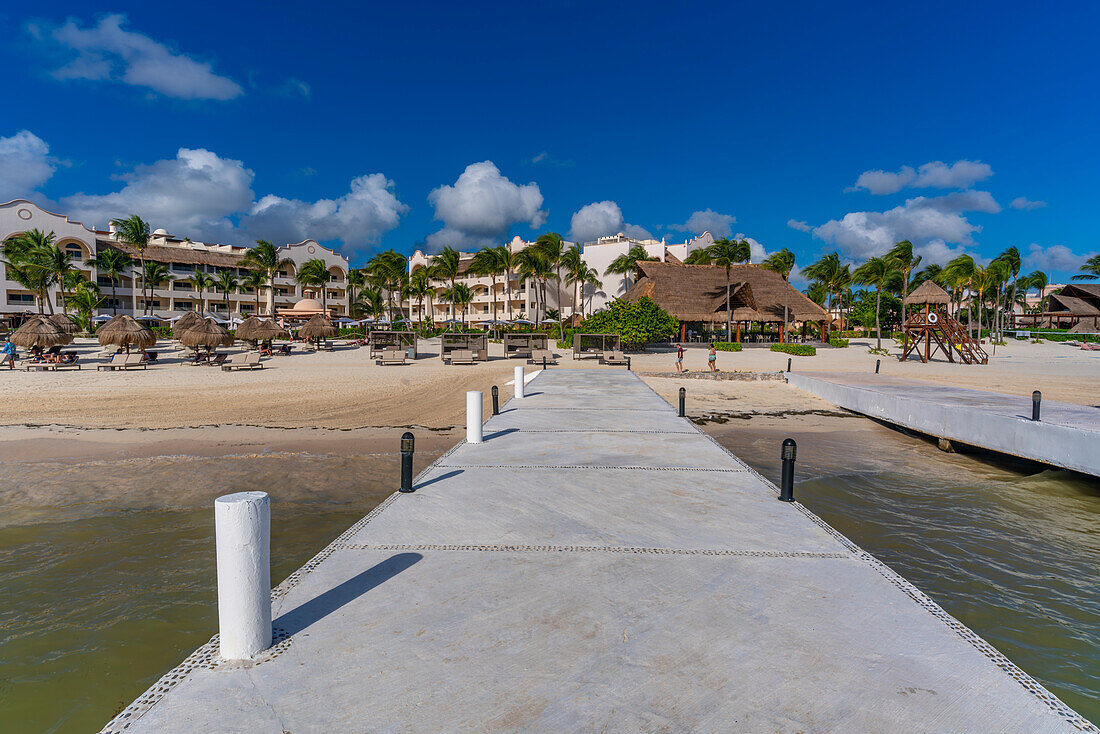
<point x="1077" y="303"/>
<point x="697" y="293"/>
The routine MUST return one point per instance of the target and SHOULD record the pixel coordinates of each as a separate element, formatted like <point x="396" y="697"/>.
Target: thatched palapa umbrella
<point x="318" y="328"/>
<point x="208" y="333"/>
<point x="66" y="323"/>
<point x="188" y="321"/>
<point x="245" y="328"/>
<point x="267" y="329"/>
<point x="38" y="334"/>
<point x="126" y="331"/>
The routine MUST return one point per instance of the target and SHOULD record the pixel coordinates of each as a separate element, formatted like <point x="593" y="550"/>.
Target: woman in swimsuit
<point x="712" y="358"/>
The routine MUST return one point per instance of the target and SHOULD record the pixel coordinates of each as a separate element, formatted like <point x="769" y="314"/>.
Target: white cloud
<point x="199" y="194"/>
<point x="601" y="219"/>
<point x="930" y="223"/>
<point x="358" y="218"/>
<point x="481" y="207"/>
<point x="1026" y="204"/>
<point x="800" y="226"/>
<point x="961" y="174"/>
<point x="1053" y="258"/>
<point x="106" y="52"/>
<point x="708" y="220"/>
<point x="25" y="164"/>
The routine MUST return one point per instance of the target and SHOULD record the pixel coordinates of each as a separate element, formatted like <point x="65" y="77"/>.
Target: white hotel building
<point x="597" y="255"/>
<point x="183" y="257"/>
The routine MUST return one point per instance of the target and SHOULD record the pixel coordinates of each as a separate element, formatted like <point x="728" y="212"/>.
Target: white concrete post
<point x="473" y="416"/>
<point x="519" y="382"/>
<point x="242" y="526"/>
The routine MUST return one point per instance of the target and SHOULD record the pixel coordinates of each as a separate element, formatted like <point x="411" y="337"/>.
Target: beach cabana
<point x="188" y="321"/>
<point x="594" y="345"/>
<point x="37" y="334"/>
<point x="521" y="345"/>
<point x="126" y="331"/>
<point x="207" y="334"/>
<point x="476" y="343"/>
<point x="379" y="340"/>
<point x="246" y="327"/>
<point x="266" y="330"/>
<point x="317" y="328"/>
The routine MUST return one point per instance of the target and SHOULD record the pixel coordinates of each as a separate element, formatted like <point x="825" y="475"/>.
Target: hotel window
<point x="18" y="299"/>
<point x="75" y="250"/>
<point x="149" y="304"/>
<point x="246" y="307"/>
<point x="181" y="285"/>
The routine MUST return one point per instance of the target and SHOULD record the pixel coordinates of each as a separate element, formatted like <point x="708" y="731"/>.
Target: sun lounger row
<point x="243" y="361"/>
<point x="125" y="362"/>
<point x="614" y="358"/>
<point x="459" y="356"/>
<point x="542" y="356"/>
<point x="391" y="355"/>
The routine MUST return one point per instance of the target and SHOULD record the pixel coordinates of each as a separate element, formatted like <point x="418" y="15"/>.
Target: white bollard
<point x="519" y="382"/>
<point x="473" y="416"/>
<point x="242" y="526"/>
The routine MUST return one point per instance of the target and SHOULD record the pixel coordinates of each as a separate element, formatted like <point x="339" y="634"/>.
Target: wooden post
<point x="738" y="332"/>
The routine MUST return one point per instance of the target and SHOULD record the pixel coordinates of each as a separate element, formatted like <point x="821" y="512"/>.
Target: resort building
<point x="597" y="255"/>
<point x="182" y="256"/>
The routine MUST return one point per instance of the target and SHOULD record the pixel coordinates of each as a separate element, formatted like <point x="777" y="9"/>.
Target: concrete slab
<point x="533" y="419"/>
<point x="1066" y="436"/>
<point x="658" y="595"/>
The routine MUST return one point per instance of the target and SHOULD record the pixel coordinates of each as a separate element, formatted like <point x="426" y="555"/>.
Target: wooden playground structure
<point x="936" y="329"/>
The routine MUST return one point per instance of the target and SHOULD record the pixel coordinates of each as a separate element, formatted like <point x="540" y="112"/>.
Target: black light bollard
<point x="878" y="363"/>
<point x="1036" y="399"/>
<point x="786" y="480"/>
<point x="628" y="364"/>
<point x="407" y="442"/>
<point x="788" y="364"/>
<point x="683" y="394"/>
<point x="496" y="400"/>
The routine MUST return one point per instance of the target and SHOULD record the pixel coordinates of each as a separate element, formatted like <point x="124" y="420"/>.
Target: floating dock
<point x="1066" y="436"/>
<point x="599" y="564"/>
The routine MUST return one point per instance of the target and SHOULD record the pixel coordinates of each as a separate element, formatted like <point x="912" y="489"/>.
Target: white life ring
<point x="933" y="317"/>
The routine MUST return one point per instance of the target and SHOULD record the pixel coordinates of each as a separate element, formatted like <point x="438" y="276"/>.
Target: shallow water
<point x="100" y="594"/>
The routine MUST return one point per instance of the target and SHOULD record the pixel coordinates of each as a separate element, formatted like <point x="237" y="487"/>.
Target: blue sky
<point x="965" y="127"/>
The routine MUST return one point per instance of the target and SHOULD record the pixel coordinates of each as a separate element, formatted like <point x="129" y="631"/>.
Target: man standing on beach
<point x="680" y="358"/>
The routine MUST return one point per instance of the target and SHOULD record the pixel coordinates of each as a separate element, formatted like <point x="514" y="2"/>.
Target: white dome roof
<point x="308" y="304"/>
<point x="160" y="231"/>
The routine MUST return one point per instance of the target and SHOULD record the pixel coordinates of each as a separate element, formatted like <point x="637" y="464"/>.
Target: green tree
<point x="553" y="248"/>
<point x="227" y="283"/>
<point x="356" y="279"/>
<point x="870" y="309"/>
<point x="254" y="280"/>
<point x="370" y="302"/>
<point x="154" y="273"/>
<point x="35" y="262"/>
<point x="201" y="282"/>
<point x="461" y="296"/>
<point x="1039" y="281"/>
<point x="488" y="263"/>
<point x="389" y="271"/>
<point x="626" y="265"/>
<point x="636" y="322"/>
<point x="725" y="254"/>
<point x="420" y="287"/>
<point x="314" y="274"/>
<point x="447" y="264"/>
<point x="265" y="258"/>
<point x="901" y="257"/>
<point x="782" y="262"/>
<point x="963" y="273"/>
<point x="1090" y="270"/>
<point x="829" y="272"/>
<point x="85" y="299"/>
<point x="879" y="273"/>
<point x="134" y="231"/>
<point x="534" y="265"/>
<point x="113" y="264"/>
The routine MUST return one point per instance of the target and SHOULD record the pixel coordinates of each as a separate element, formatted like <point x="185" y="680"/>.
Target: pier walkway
<point x="599" y="564"/>
<point x="1067" y="435"/>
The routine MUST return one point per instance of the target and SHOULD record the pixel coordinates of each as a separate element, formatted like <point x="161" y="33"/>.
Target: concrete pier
<point x="1067" y="436"/>
<point x="599" y="564"/>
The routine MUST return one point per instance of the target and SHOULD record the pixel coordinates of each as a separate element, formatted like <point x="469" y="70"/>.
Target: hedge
<point x="838" y="343"/>
<point x="798" y="350"/>
<point x="727" y="346"/>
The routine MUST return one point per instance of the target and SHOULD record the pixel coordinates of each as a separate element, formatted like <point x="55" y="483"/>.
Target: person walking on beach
<point x="680" y="358"/>
<point x="712" y="358"/>
<point x="8" y="355"/>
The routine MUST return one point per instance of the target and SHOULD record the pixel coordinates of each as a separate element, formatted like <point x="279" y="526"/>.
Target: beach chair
<point x="116" y="362"/>
<point x="244" y="360"/>
<point x="218" y="360"/>
<point x="542" y="356"/>
<point x="133" y="360"/>
<point x="391" y="355"/>
<point x="613" y="358"/>
<point x="460" y="356"/>
<point x="284" y="350"/>
<point x="67" y="361"/>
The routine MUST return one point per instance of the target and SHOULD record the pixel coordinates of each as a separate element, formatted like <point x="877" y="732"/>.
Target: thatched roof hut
<point x="126" y="331"/>
<point x="928" y="292"/>
<point x="39" y="333"/>
<point x="318" y="327"/>
<point x="188" y="321"/>
<point x="267" y="329"/>
<point x="206" y="333"/>
<point x="245" y="328"/>
<point x="698" y="293"/>
<point x="65" y="322"/>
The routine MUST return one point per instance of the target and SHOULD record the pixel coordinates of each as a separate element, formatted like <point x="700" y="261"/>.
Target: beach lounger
<point x="542" y="356"/>
<point x="460" y="356"/>
<point x="284" y="350"/>
<point x="218" y="360"/>
<point x="244" y="360"/>
<point x="613" y="358"/>
<point x="133" y="360"/>
<point x="116" y="362"/>
<point x="394" y="355"/>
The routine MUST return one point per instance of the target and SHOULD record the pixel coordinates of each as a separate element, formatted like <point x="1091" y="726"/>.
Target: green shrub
<point x="636" y="322"/>
<point x="727" y="346"/>
<point x="798" y="350"/>
<point x="838" y="343"/>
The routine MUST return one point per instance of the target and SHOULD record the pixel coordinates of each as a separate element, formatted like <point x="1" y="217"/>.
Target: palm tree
<point x="880" y="273"/>
<point x="113" y="264"/>
<point x="227" y="283"/>
<point x="698" y="257"/>
<point x="591" y="277"/>
<point x="575" y="270"/>
<point x="533" y="264"/>
<point x="1011" y="259"/>
<point x="553" y="247"/>
<point x="1090" y="270"/>
<point x="265" y="258"/>
<point x="356" y="279"/>
<point x="901" y="257"/>
<point x="255" y="280"/>
<point x="492" y="262"/>
<point x="201" y="282"/>
<point x="154" y="273"/>
<point x="420" y="287"/>
<point x="134" y="231"/>
<point x="998" y="274"/>
<point x="962" y="272"/>
<point x="461" y="296"/>
<point x="627" y="265"/>
<point x="446" y="268"/>
<point x="85" y="300"/>
<point x="831" y="275"/>
<point x="389" y="271"/>
<point x="1039" y="281"/>
<point x="314" y="274"/>
<point x="781" y="262"/>
<point x="369" y="301"/>
<point x="725" y="254"/>
<point x="932" y="272"/>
